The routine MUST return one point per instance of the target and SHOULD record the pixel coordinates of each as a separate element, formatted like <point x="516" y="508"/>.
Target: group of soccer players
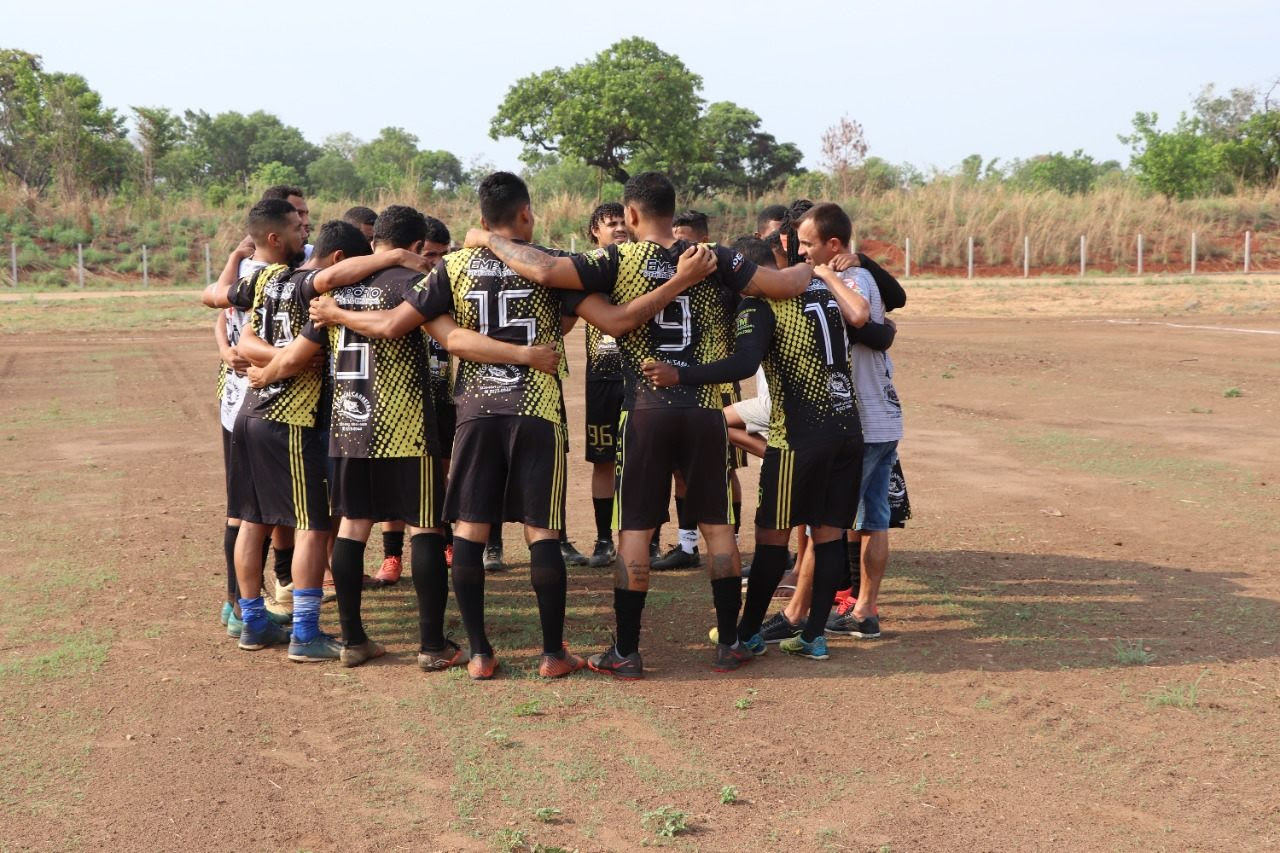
<point x="375" y="375"/>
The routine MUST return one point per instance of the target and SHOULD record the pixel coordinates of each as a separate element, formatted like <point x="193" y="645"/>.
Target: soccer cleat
<point x="367" y="582"/>
<point x="358" y="654"/>
<point x="283" y="595"/>
<point x="746" y="574"/>
<point x="776" y="629"/>
<point x="234" y="625"/>
<point x="389" y="572"/>
<point x="653" y="552"/>
<point x="482" y="667"/>
<point x="560" y="664"/>
<point x="572" y="556"/>
<point x="436" y="661"/>
<point x="797" y="645"/>
<point x="677" y="558"/>
<point x="493" y="558"/>
<point x="321" y="648"/>
<point x="604" y="555"/>
<point x="448" y="555"/>
<point x="729" y="658"/>
<point x="227" y="612"/>
<point x="627" y="667"/>
<point x="271" y="635"/>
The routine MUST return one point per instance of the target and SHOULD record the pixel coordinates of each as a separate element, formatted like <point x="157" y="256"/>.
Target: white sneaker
<point x="284" y="595"/>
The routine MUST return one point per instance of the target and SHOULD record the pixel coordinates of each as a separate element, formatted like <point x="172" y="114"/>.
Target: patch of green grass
<point x="77" y="654"/>
<point x="547" y="814"/>
<point x="1232" y="392"/>
<point x="984" y="703"/>
<point x="511" y="840"/>
<point x="1132" y="653"/>
<point x="532" y="708"/>
<point x="665" y="821"/>
<point x="1196" y="410"/>
<point x="728" y="795"/>
<point x="1176" y="695"/>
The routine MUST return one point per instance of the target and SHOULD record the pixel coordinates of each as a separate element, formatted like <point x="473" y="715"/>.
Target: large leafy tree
<point x="54" y="127"/>
<point x="630" y="99"/>
<point x="733" y="154"/>
<point x="230" y="146"/>
<point x="160" y="133"/>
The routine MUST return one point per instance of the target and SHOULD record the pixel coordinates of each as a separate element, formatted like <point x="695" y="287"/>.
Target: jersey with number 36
<point x="485" y="295"/>
<point x="381" y="388"/>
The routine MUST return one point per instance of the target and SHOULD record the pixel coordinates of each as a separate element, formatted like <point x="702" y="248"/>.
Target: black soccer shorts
<point x="653" y="444"/>
<point x="604" y="407"/>
<point x="733" y="394"/>
<point x="508" y="468"/>
<point x="815" y="484"/>
<point x="278" y="474"/>
<point x="403" y="488"/>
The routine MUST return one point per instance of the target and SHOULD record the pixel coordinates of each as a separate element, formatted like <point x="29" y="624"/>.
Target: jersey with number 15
<point x="485" y="295"/>
<point x="381" y="388"/>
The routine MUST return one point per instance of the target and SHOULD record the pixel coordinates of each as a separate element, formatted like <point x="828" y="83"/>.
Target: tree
<point x="1075" y="174"/>
<point x="230" y="146"/>
<point x="54" y="127"/>
<point x="844" y="147"/>
<point x="160" y="132"/>
<point x="334" y="176"/>
<point x="438" y="169"/>
<point x="734" y="155"/>
<point x="387" y="160"/>
<point x="631" y="99"/>
<point x="1180" y="163"/>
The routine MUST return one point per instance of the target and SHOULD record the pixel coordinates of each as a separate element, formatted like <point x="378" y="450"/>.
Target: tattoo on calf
<point x="633" y="575"/>
<point x="723" y="566"/>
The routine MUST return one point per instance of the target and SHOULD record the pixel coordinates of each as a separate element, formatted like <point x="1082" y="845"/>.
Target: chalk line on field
<point x="1190" y="326"/>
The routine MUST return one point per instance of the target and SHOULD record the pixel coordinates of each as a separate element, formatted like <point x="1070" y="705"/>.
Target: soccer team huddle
<point x="381" y="375"/>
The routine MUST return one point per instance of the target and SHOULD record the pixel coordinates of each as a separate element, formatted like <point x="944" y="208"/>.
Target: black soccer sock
<point x="767" y="568"/>
<point x="495" y="536"/>
<point x="737" y="517"/>
<point x="726" y="593"/>
<point x="448" y="534"/>
<point x="348" y="582"/>
<point x="393" y="543"/>
<point x="431" y="583"/>
<point x="564" y="536"/>
<point x="468" y="590"/>
<point x="628" y="605"/>
<point x="854" y="546"/>
<point x="266" y="551"/>
<point x="681" y="519"/>
<point x="604" y="517"/>
<point x="551" y="586"/>
<point x="229" y="552"/>
<point x="829" y="569"/>
<point x="284" y="566"/>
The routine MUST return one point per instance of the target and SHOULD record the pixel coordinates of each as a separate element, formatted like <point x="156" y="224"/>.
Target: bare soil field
<point x="1081" y="621"/>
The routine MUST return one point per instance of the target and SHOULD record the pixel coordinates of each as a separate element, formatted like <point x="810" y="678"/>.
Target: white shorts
<point x="755" y="414"/>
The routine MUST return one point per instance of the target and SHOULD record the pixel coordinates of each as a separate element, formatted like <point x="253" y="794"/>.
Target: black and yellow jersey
<point x="604" y="359"/>
<point x="485" y="295"/>
<point x="441" y="367"/>
<point x="695" y="328"/>
<point x="278" y="314"/>
<point x="806" y="364"/>
<point x="381" y="388"/>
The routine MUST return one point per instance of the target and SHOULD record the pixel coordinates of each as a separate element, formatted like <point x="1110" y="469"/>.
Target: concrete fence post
<point x="1026" y="256"/>
<point x="1139" y="254"/>
<point x="1248" y="238"/>
<point x="1193" y="253"/>
<point x="144" y="266"/>
<point x="1082" y="258"/>
<point x="80" y="264"/>
<point x="970" y="256"/>
<point x="907" y="268"/>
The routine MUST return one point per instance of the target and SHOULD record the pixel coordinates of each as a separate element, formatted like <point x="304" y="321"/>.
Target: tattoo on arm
<point x="512" y="252"/>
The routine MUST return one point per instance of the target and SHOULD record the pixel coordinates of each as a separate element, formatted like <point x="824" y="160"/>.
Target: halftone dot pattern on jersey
<point x="277" y="316"/>
<point x="807" y="368"/>
<point x="604" y="359"/>
<point x="515" y="311"/>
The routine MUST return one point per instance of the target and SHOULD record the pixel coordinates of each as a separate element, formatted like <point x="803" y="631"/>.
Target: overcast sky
<point x="930" y="82"/>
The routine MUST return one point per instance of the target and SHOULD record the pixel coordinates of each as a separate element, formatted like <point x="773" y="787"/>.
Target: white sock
<point x="688" y="540"/>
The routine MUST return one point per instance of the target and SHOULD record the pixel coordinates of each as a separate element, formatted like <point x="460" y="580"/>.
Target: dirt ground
<point x="1081" y="621"/>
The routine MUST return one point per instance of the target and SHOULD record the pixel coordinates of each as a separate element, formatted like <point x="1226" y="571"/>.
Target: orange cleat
<point x="389" y="572"/>
<point x="482" y="667"/>
<point x="560" y="664"/>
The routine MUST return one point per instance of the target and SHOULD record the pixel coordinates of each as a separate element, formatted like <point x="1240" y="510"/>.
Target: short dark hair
<point x="652" y="192"/>
<point x="268" y="214"/>
<point x="401" y="226"/>
<point x="830" y="220"/>
<point x="502" y="194"/>
<point x="336" y="235"/>
<point x="755" y="250"/>
<point x="360" y="215"/>
<point x="437" y="231"/>
<point x="772" y="213"/>
<point x="693" y="219"/>
<point x="790" y="219"/>
<point x="282" y="192"/>
<point x="600" y="214"/>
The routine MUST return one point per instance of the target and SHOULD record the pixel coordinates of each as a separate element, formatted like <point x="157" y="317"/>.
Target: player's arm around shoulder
<point x="472" y="346"/>
<point x="779" y="284"/>
<point x="285" y="362"/>
<point x="854" y="307"/>
<point x="349" y="271"/>
<point x="695" y="264"/>
<point x="527" y="261"/>
<point x="217" y="295"/>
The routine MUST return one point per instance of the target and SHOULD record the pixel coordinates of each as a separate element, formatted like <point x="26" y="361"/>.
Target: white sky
<point x="931" y="82"/>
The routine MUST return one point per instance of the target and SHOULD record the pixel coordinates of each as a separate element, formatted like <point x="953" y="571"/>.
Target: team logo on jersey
<point x="658" y="268"/>
<point x="608" y="345"/>
<point x="481" y="266"/>
<point x="736" y="263"/>
<point x="281" y="289"/>
<point x="841" y="391"/>
<point x="497" y="378"/>
<point x="743" y="325"/>
<point x="354" y="407"/>
<point x="366" y="295"/>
